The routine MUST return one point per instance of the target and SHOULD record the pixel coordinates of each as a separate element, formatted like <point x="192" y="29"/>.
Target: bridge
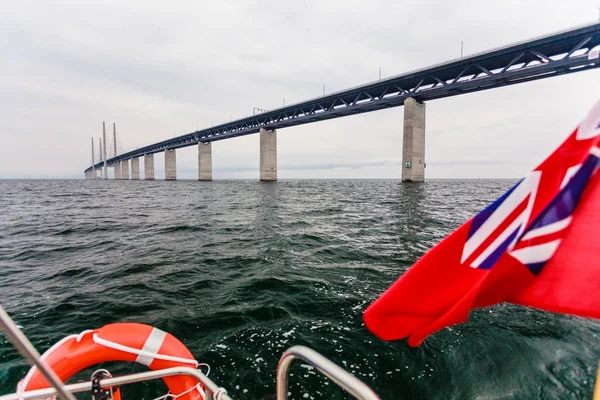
<point x="566" y="52"/>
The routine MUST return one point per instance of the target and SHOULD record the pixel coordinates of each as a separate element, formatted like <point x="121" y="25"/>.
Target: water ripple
<point x="239" y="271"/>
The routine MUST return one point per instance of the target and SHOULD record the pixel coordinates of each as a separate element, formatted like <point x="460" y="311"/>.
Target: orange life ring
<point x="132" y="342"/>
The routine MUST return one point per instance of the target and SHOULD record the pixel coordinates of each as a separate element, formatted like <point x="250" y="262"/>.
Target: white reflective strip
<point x="536" y="254"/>
<point x="551" y="228"/>
<point x="43" y="357"/>
<point x="131" y="350"/>
<point x="152" y="345"/>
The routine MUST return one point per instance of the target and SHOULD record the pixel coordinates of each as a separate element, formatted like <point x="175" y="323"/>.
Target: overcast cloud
<point x="165" y="68"/>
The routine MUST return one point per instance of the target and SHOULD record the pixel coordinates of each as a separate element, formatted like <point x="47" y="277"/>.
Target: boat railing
<point x="337" y="374"/>
<point x="215" y="391"/>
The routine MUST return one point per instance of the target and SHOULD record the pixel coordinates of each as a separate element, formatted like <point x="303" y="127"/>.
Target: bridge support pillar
<point x="268" y="155"/>
<point x="125" y="169"/>
<point x="413" y="147"/>
<point x="205" y="161"/>
<point x="118" y="170"/>
<point x="149" y="167"/>
<point x="135" y="168"/>
<point x="170" y="165"/>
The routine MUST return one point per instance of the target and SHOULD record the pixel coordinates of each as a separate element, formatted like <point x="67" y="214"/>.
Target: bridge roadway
<point x="548" y="56"/>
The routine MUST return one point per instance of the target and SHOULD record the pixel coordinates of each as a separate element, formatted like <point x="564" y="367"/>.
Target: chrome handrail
<point x="124" y="380"/>
<point x="337" y="374"/>
<point x="29" y="352"/>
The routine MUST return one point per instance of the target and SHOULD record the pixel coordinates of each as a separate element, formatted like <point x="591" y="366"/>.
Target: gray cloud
<point x="160" y="69"/>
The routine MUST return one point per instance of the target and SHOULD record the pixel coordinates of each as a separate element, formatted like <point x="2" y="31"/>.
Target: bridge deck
<point x="552" y="55"/>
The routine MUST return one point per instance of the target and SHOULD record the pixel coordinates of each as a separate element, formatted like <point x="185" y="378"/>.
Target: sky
<point x="160" y="69"/>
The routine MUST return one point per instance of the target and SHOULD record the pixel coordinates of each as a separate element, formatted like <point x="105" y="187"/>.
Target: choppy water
<point x="241" y="270"/>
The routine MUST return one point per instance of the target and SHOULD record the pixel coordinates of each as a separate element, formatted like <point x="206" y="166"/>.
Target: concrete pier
<point x="135" y="168"/>
<point x="170" y="165"/>
<point x="104" y="151"/>
<point x="149" y="167"/>
<point x="118" y="169"/>
<point x="101" y="170"/>
<point x="125" y="169"/>
<point x="115" y="139"/>
<point x="205" y="161"/>
<point x="413" y="147"/>
<point x="268" y="155"/>
<point x="93" y="162"/>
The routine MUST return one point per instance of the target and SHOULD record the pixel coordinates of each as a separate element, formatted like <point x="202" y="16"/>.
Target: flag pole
<point x="597" y="385"/>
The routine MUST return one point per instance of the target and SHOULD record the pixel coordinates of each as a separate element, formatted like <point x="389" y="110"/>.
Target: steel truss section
<point x="558" y="54"/>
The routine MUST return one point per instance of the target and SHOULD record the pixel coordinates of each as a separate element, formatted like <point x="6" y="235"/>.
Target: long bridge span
<point x="556" y="54"/>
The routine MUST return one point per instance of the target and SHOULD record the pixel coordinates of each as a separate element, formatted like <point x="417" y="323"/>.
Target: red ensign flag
<point x="537" y="245"/>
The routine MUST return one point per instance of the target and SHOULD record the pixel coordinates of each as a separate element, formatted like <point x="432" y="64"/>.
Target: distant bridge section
<point x="545" y="57"/>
